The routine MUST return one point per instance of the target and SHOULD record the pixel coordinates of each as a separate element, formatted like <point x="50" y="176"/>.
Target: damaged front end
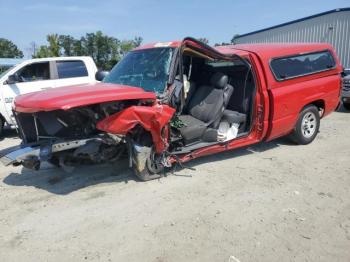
<point x="99" y="133"/>
<point x="63" y="153"/>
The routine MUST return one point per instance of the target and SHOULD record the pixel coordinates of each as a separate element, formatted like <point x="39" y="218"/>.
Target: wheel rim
<point x="153" y="163"/>
<point x="308" y="124"/>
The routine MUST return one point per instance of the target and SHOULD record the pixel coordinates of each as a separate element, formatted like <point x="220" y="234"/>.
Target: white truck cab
<point x="40" y="74"/>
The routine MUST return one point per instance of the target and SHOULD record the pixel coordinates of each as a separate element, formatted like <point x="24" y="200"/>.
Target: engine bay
<point x="76" y="123"/>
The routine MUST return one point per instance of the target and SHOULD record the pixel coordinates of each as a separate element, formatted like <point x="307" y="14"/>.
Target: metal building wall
<point x="333" y="28"/>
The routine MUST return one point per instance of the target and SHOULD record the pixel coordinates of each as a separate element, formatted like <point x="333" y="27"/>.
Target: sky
<point x="26" y="21"/>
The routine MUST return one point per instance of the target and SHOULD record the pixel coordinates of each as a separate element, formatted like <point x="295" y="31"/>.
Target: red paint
<point x="74" y="96"/>
<point x="159" y="44"/>
<point x="277" y="104"/>
<point x="287" y="98"/>
<point x="153" y="119"/>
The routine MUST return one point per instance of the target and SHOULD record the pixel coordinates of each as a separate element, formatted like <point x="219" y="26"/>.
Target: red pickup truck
<point x="168" y="103"/>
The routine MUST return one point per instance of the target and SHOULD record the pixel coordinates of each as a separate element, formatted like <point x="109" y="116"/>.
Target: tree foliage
<point x="222" y="44"/>
<point x="233" y="40"/>
<point x="105" y="50"/>
<point x="9" y="49"/>
<point x="203" y="40"/>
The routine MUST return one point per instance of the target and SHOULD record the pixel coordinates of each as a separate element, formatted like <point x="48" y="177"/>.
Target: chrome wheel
<point x="308" y="124"/>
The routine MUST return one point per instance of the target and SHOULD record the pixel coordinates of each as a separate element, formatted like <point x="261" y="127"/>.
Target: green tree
<point x="52" y="50"/>
<point x="234" y="38"/>
<point x="66" y="42"/>
<point x="42" y="52"/>
<point x="54" y="45"/>
<point x="204" y="40"/>
<point x="223" y="43"/>
<point x="127" y="45"/>
<point x="137" y="41"/>
<point x="102" y="48"/>
<point x="9" y="49"/>
<point x="105" y="50"/>
<point x="78" y="49"/>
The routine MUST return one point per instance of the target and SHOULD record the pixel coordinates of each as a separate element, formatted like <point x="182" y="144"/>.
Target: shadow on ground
<point x="9" y="134"/>
<point x="257" y="148"/>
<point x="342" y="109"/>
<point x="59" y="182"/>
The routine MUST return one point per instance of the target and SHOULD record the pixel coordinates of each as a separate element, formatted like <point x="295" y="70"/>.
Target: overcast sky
<point x="25" y="21"/>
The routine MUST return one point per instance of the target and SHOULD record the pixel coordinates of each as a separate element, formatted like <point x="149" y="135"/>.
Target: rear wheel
<point x="307" y="126"/>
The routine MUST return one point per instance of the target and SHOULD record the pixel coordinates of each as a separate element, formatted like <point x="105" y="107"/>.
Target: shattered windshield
<point x="147" y="68"/>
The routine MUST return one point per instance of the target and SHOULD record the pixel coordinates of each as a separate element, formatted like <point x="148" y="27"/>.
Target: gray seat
<point x="205" y="109"/>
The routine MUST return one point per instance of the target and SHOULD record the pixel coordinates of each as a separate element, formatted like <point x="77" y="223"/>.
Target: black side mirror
<point x="13" y="79"/>
<point x="100" y="75"/>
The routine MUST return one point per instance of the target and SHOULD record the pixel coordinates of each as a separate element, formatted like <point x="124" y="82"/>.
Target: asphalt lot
<point x="269" y="202"/>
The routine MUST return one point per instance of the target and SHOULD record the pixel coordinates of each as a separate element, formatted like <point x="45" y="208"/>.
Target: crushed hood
<point x="75" y="96"/>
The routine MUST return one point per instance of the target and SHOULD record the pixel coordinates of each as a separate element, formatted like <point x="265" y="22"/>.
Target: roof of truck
<point x="59" y="58"/>
<point x="159" y="44"/>
<point x="263" y="50"/>
<point x="276" y="49"/>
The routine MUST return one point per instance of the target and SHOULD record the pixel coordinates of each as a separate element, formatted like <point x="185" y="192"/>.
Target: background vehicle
<point x="168" y="103"/>
<point x="346" y="89"/>
<point x="40" y="74"/>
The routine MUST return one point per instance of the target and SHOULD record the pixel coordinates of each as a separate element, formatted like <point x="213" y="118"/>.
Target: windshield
<point x="147" y="68"/>
<point x="4" y="70"/>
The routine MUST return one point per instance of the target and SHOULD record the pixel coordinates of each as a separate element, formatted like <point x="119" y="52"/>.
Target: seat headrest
<point x="219" y="80"/>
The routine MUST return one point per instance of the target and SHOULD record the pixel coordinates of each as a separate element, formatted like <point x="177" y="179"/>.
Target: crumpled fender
<point x="151" y="118"/>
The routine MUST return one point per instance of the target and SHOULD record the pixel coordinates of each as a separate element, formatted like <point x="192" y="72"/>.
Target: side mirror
<point x="13" y="79"/>
<point x="100" y="75"/>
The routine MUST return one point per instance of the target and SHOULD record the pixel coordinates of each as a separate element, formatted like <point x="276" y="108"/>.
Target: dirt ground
<point x="269" y="202"/>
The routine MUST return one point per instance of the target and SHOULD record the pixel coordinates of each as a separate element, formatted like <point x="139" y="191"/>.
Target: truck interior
<point x="218" y="100"/>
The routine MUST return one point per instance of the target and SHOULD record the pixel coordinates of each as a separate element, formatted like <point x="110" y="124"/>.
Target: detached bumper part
<point x="11" y="155"/>
<point x="31" y="156"/>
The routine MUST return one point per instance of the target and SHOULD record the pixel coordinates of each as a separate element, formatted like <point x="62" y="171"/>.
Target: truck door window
<point x="301" y="65"/>
<point x="69" y="69"/>
<point x="35" y="72"/>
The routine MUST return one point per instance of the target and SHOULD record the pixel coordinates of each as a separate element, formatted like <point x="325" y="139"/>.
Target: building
<point x="332" y="27"/>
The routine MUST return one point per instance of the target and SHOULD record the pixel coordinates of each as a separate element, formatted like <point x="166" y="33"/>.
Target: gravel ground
<point x="268" y="202"/>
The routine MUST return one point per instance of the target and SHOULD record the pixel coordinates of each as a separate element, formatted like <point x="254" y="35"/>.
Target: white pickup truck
<point x="40" y="74"/>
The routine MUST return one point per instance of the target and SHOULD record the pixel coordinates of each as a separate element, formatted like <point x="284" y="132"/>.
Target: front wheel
<point x="307" y="126"/>
<point x="146" y="163"/>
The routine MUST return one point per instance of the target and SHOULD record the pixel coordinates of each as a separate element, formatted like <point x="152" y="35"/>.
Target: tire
<point x="151" y="171"/>
<point x="346" y="106"/>
<point x="307" y="126"/>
